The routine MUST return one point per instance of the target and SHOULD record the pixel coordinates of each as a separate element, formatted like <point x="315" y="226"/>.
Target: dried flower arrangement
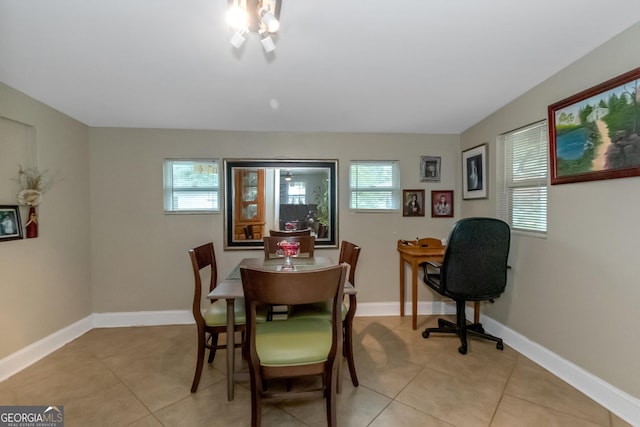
<point x="34" y="184"/>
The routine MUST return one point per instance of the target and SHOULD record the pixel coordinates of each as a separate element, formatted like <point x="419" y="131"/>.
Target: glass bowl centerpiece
<point x="288" y="250"/>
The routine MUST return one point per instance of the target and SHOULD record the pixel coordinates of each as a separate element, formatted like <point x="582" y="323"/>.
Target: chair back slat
<point x="349" y="253"/>
<point x="284" y="233"/>
<point x="202" y="257"/>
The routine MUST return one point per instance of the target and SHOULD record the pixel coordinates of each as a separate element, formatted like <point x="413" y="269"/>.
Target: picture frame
<point x="593" y="134"/>
<point x="474" y="173"/>
<point x="430" y="168"/>
<point x="412" y="202"/>
<point x="10" y="224"/>
<point x="441" y="203"/>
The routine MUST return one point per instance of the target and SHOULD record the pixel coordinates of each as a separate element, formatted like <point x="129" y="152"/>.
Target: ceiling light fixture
<point x="258" y="16"/>
<point x="288" y="176"/>
<point x="267" y="42"/>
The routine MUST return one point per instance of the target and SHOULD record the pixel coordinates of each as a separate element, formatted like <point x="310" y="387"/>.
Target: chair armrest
<point x="434" y="264"/>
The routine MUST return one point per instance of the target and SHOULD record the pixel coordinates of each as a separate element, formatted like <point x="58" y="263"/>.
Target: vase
<point x="32" y="223"/>
<point x="288" y="250"/>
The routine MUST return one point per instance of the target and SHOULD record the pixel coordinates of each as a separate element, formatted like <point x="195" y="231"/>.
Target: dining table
<point x="230" y="289"/>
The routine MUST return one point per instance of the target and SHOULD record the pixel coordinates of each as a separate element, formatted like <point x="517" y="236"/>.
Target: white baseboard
<point x="622" y="404"/>
<point x="142" y="318"/>
<point x="30" y="354"/>
<point x="393" y="309"/>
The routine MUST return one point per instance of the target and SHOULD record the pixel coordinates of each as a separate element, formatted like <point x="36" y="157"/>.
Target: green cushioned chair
<point x="296" y="347"/>
<point x="213" y="321"/>
<point x="349" y="253"/>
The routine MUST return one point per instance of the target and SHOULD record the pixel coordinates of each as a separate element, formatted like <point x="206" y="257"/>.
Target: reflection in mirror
<point x="282" y="195"/>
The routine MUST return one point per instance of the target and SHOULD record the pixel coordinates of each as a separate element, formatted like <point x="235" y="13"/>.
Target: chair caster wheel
<point x="462" y="350"/>
<point x="425" y="334"/>
<point x="441" y="323"/>
<point x="500" y="346"/>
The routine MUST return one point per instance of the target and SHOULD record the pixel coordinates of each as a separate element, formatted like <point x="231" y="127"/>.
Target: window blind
<point x="374" y="185"/>
<point x="191" y="185"/>
<point x="524" y="200"/>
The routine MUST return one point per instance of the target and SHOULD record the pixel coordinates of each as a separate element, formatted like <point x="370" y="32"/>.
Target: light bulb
<point x="237" y="17"/>
<point x="271" y="24"/>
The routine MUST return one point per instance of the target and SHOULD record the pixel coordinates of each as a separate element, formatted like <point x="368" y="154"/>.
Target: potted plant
<point x="322" y="216"/>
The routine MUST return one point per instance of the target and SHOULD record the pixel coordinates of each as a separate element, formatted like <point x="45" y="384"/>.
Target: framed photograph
<point x="429" y="169"/>
<point x="10" y="225"/>
<point x="474" y="173"/>
<point x="442" y="203"/>
<point x="594" y="134"/>
<point x="413" y="202"/>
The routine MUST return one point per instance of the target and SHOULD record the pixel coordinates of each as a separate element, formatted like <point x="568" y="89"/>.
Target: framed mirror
<point x="284" y="195"/>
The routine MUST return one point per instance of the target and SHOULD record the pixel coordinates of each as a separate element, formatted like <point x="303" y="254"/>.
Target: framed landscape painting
<point x="594" y="134"/>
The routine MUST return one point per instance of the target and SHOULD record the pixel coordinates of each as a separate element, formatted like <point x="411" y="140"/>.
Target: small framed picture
<point x="413" y="201"/>
<point x="429" y="169"/>
<point x="474" y="173"/>
<point x="442" y="203"/>
<point x="10" y="225"/>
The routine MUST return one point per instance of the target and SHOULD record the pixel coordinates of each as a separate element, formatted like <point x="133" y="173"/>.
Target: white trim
<point x="15" y="362"/>
<point x="142" y="318"/>
<point x="393" y="309"/>
<point x="622" y="404"/>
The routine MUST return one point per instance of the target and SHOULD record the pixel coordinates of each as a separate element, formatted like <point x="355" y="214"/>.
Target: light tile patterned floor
<point x="141" y="377"/>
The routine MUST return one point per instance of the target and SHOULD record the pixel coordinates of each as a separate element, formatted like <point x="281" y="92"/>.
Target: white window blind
<point x="374" y="185"/>
<point x="523" y="203"/>
<point x="191" y="185"/>
<point x="296" y="193"/>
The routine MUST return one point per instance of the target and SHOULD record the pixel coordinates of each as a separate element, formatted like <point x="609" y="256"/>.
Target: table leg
<point x="401" y="286"/>
<point x="414" y="294"/>
<point x="230" y="348"/>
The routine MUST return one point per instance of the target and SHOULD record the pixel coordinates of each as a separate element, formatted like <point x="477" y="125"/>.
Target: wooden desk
<point x="415" y="252"/>
<point x="231" y="289"/>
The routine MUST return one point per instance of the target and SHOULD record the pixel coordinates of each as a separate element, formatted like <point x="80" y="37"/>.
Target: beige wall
<point x="575" y="292"/>
<point x="45" y="282"/>
<point x="139" y="256"/>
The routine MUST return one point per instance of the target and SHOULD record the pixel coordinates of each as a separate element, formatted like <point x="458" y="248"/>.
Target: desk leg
<point x="414" y="294"/>
<point x="230" y="348"/>
<point x="401" y="286"/>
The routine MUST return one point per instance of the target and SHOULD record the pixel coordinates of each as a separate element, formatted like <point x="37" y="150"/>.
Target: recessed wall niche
<point x="17" y="147"/>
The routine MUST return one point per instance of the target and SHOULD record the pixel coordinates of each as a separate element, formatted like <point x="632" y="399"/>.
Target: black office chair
<point x="474" y="268"/>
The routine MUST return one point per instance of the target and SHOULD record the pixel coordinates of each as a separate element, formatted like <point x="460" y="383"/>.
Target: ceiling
<point x="404" y="66"/>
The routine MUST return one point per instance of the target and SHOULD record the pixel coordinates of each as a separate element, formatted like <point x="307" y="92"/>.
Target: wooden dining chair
<point x="284" y="233"/>
<point x="286" y="349"/>
<point x="307" y="245"/>
<point x="349" y="254"/>
<point x="213" y="321"/>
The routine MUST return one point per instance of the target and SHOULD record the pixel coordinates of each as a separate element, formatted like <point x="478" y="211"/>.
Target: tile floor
<point x="141" y="376"/>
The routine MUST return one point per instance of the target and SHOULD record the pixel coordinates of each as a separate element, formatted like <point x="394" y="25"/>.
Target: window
<point x="191" y="185"/>
<point x="296" y="193"/>
<point x="523" y="203"/>
<point x="374" y="185"/>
